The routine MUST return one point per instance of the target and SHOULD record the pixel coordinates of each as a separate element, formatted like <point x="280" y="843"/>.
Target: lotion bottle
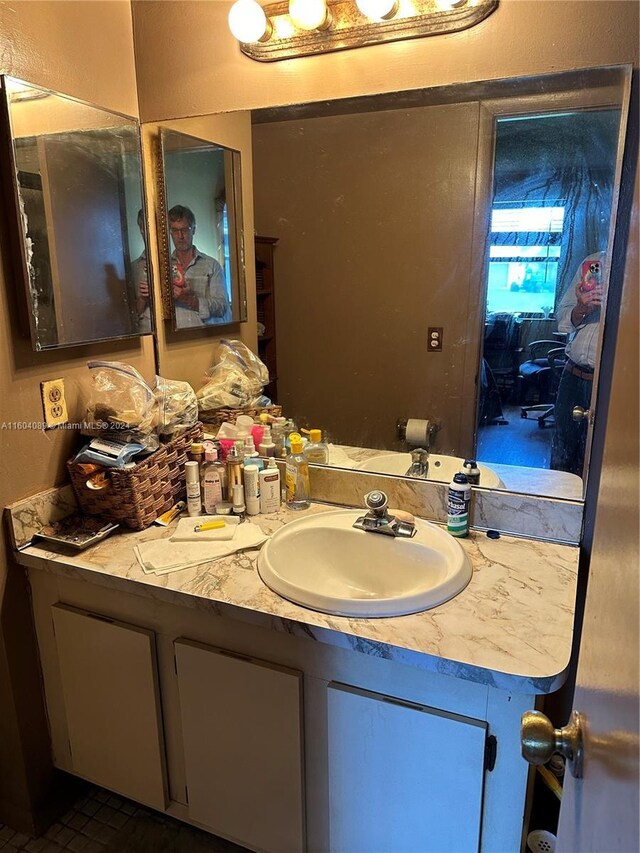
<point x="270" y="488"/>
<point x="297" y="475"/>
<point x="234" y="470"/>
<point x="192" y="477"/>
<point x="252" y="489"/>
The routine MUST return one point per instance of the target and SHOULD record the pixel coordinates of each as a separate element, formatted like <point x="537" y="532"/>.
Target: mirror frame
<point x="16" y="219"/>
<point x="164" y="246"/>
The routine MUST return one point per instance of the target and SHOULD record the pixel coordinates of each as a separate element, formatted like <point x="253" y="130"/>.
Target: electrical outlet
<point x="435" y="338"/>
<point x="54" y="405"/>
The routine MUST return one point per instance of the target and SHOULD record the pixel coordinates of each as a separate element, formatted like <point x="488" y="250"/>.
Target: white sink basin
<point x="324" y="563"/>
<point x="441" y="468"/>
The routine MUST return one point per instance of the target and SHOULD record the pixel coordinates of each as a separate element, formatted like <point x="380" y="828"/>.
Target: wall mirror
<point x="74" y="179"/>
<point x="458" y="216"/>
<point x="201" y="232"/>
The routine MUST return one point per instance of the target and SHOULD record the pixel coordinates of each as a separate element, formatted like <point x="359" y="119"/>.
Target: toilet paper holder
<point x="434" y="429"/>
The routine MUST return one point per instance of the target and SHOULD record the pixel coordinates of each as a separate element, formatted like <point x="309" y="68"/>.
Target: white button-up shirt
<point x="582" y="343"/>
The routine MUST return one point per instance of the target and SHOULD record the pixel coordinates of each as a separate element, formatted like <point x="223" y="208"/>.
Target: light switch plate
<point x="54" y="405"/>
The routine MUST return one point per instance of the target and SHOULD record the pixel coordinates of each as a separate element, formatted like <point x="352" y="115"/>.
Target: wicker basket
<point x="219" y="416"/>
<point x="135" y="497"/>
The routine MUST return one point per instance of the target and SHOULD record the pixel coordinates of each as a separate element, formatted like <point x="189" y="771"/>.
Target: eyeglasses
<point x="182" y="231"/>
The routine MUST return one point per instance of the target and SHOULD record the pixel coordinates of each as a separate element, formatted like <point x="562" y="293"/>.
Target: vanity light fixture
<point x="248" y="22"/>
<point x="378" y="10"/>
<point x="286" y="30"/>
<point x="310" y="14"/>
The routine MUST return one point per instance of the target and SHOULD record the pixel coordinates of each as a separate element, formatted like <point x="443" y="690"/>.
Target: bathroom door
<point x="600" y="811"/>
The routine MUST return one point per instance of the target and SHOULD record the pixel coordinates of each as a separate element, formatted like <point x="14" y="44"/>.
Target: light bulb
<point x="378" y="10"/>
<point x="309" y="14"/>
<point x="248" y="22"/>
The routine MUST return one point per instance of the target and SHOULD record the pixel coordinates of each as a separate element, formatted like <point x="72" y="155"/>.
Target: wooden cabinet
<point x="110" y="688"/>
<point x="266" y="310"/>
<point x="403" y="777"/>
<point x="242" y="735"/>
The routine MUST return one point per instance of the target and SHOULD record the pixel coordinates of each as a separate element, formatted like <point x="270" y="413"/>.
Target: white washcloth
<point x="184" y="532"/>
<point x="161" y="556"/>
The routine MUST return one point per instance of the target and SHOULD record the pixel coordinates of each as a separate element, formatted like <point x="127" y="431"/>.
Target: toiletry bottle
<point x="252" y="489"/>
<point x="458" y="501"/>
<point x="244" y="425"/>
<point x="249" y="447"/>
<point x="234" y="470"/>
<point x="289" y="429"/>
<point x="316" y="451"/>
<point x="270" y="488"/>
<point x="211" y="482"/>
<point x="267" y="446"/>
<point x="297" y="475"/>
<point x="257" y="430"/>
<point x="238" y="501"/>
<point x="192" y="477"/>
<point x="196" y="452"/>
<point x="278" y="437"/>
<point x="470" y="468"/>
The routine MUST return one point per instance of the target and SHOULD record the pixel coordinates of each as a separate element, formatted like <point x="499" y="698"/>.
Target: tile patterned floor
<point x="95" y="822"/>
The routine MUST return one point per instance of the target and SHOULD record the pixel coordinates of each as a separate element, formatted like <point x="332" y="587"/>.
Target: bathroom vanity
<point x="207" y="696"/>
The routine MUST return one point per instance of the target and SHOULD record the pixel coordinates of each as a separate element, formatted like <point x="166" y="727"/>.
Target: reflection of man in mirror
<point x="141" y="280"/>
<point x="198" y="279"/>
<point x="579" y="316"/>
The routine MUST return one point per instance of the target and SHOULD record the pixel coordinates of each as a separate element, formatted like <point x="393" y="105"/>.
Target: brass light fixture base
<point x="350" y="28"/>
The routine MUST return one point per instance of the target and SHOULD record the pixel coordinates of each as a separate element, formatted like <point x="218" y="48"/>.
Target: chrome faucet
<point x="378" y="520"/>
<point x="419" y="464"/>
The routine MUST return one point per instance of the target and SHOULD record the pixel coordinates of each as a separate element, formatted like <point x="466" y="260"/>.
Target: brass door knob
<point x="540" y="740"/>
<point x="579" y="413"/>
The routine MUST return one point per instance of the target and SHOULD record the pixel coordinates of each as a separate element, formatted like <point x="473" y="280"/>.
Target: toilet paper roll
<point x="418" y="432"/>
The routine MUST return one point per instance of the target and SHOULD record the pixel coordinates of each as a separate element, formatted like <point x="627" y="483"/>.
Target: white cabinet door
<point x="403" y="778"/>
<point x="242" y="735"/>
<point x="110" y="687"/>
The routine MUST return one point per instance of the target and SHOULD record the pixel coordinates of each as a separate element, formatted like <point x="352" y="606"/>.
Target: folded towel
<point x="184" y="532"/>
<point x="161" y="556"/>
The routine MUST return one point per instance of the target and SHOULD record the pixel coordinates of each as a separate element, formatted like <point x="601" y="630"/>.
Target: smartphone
<point x="591" y="275"/>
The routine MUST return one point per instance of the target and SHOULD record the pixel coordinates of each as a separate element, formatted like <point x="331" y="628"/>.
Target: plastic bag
<point x="177" y="406"/>
<point x="121" y="405"/>
<point x="236" y="380"/>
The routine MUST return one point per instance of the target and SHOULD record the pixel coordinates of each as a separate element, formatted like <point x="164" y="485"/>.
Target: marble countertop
<point x="511" y="627"/>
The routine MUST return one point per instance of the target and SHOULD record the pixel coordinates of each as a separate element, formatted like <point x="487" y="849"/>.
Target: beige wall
<point x="522" y="37"/>
<point x="70" y="47"/>
<point x="186" y="355"/>
<point x="374" y="217"/>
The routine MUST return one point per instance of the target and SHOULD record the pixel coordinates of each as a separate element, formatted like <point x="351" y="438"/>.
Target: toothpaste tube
<point x="167" y="517"/>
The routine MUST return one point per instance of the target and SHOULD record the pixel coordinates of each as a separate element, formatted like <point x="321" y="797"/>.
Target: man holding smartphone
<point x="199" y="293"/>
<point x="579" y="315"/>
